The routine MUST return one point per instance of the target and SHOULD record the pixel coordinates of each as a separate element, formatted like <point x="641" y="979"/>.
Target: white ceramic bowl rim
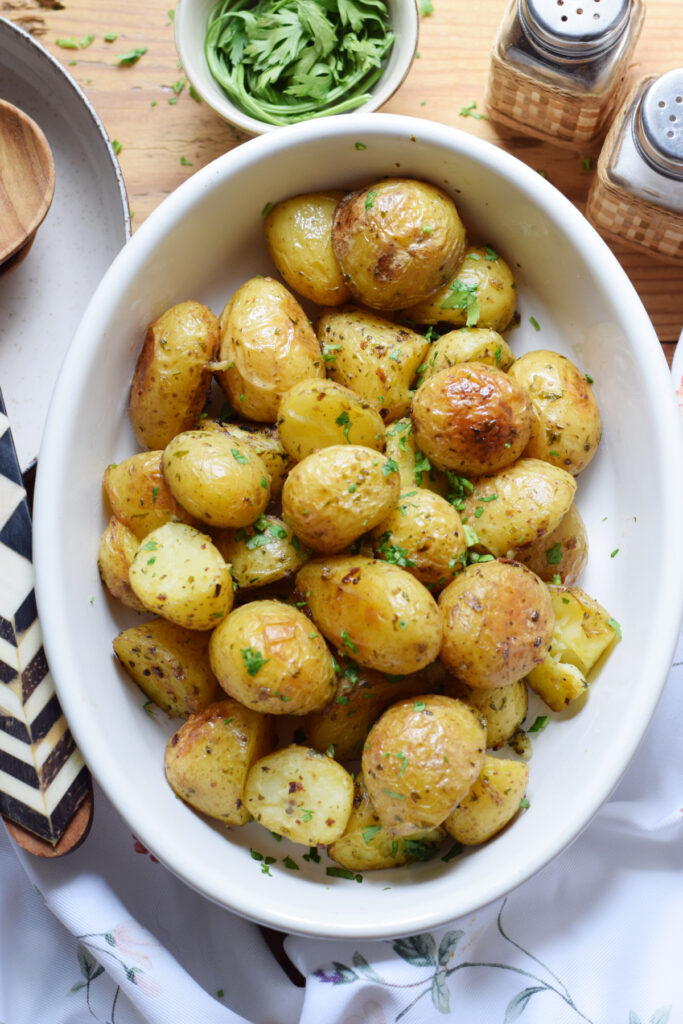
<point x="664" y="609"/>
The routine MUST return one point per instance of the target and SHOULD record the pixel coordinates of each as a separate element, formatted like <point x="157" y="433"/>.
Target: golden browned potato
<point x="561" y="555"/>
<point x="397" y="241"/>
<point x="319" y="413"/>
<point x="360" y="696"/>
<point x="208" y="759"/>
<point x="497" y="623"/>
<point x="138" y="495"/>
<point x="376" y="612"/>
<point x="367" y="846"/>
<point x="267" y="345"/>
<point x="374" y="357"/>
<point x="171" y="377"/>
<point x="423" y="534"/>
<point x="118" y="545"/>
<point x="471" y="418"/>
<point x="262" y="553"/>
<point x="518" y="506"/>
<point x="420" y="759"/>
<point x="566" y="425"/>
<point x="263" y="440"/>
<point x="301" y="794"/>
<point x="481" y="295"/>
<point x="504" y="708"/>
<point x="271" y="658"/>
<point x="170" y="665"/>
<point x="299" y="237"/>
<point x="491" y="803"/>
<point x="179" y="574"/>
<point x="218" y="480"/>
<point x="337" y="494"/>
<point x="468" y="345"/>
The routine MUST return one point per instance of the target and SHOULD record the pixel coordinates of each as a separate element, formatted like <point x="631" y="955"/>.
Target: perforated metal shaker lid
<point x="658" y="124"/>
<point x="574" y="29"/>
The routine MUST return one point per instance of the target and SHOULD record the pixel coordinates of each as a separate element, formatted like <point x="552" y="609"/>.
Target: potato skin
<point x="423" y="534"/>
<point x="397" y="241"/>
<point x="497" y="623"/>
<point x="265" y="552"/>
<point x="267" y="345"/>
<point x="170" y="665"/>
<point x="491" y="803"/>
<point x="318" y="413"/>
<point x="561" y="553"/>
<point x="468" y="345"/>
<point x="420" y="759"/>
<point x="566" y="425"/>
<point x="117" y="548"/>
<point x="301" y="794"/>
<point x="207" y="760"/>
<point x="268" y="656"/>
<point x="481" y="294"/>
<point x="471" y="418"/>
<point x="219" y="481"/>
<point x="519" y="505"/>
<point x="377" y="612"/>
<point x="139" y="496"/>
<point x="337" y="494"/>
<point x="504" y="708"/>
<point x="171" y="377"/>
<point x="263" y="440"/>
<point x="299" y="237"/>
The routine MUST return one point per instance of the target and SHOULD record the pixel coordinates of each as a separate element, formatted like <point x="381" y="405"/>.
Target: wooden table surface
<point x="165" y="135"/>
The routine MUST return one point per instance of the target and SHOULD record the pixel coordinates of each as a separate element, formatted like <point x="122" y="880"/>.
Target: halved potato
<point x="491" y="803"/>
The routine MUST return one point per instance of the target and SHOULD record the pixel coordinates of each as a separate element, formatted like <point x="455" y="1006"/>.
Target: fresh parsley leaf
<point x="132" y="57"/>
<point x="253" y="660"/>
<point x="463" y="296"/>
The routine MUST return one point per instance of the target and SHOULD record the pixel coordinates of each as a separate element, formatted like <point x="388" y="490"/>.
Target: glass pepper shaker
<point x="559" y="68"/>
<point x="637" y="195"/>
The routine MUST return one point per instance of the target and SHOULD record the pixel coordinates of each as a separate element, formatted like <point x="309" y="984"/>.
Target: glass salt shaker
<point x="637" y="195"/>
<point x="559" y="68"/>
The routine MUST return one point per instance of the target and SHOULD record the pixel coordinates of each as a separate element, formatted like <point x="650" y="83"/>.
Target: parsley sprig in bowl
<point x="262" y="64"/>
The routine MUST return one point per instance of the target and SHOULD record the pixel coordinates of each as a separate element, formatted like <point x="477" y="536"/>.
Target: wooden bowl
<point x="27" y="182"/>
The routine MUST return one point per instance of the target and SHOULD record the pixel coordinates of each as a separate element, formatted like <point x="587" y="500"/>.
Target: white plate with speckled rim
<point x="43" y="298"/>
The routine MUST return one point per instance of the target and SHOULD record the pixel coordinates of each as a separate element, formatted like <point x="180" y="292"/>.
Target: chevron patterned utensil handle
<point x="43" y="778"/>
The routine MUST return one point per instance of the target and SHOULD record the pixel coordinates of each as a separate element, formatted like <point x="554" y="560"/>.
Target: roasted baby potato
<point x="491" y="803"/>
<point x="301" y="794"/>
<point x="268" y="656"/>
<point x="179" y="574"/>
<point x="171" y="377"/>
<point x="267" y="345"/>
<point x="337" y="494"/>
<point x="481" y="295"/>
<point x="423" y="534"/>
<point x="138" y="495"/>
<point x="299" y="237"/>
<point x="518" y="506"/>
<point x="118" y="545"/>
<point x="472" y="419"/>
<point x="319" y="413"/>
<point x="374" y="357"/>
<point x="262" y="553"/>
<point x="208" y="759"/>
<point x="263" y="440"/>
<point x="504" y="708"/>
<point x="497" y="623"/>
<point x="367" y="846"/>
<point x="377" y="612"/>
<point x="561" y="554"/>
<point x="469" y="345"/>
<point x="566" y="425"/>
<point x="219" y="481"/>
<point x="420" y="759"/>
<point x="397" y="241"/>
<point x="170" y="665"/>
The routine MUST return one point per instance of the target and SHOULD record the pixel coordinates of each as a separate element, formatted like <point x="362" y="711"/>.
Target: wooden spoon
<point x="27" y="181"/>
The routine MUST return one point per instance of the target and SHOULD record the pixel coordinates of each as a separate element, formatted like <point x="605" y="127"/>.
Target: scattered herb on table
<point x="470" y="111"/>
<point x="132" y="57"/>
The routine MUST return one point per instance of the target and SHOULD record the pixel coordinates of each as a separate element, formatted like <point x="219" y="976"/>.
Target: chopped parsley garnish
<point x="589" y="378"/>
<point x="615" y="552"/>
<point x="306" y="815"/>
<point x="490" y="254"/>
<point x="390" y="466"/>
<point x="238" y="456"/>
<point x="422" y="465"/>
<point x="370" y="199"/>
<point x="524" y="803"/>
<point x="455" y="851"/>
<point x="395" y="796"/>
<point x="253" y="660"/>
<point x="463" y="296"/>
<point x="185" y="162"/>
<point x="329" y="352"/>
<point x="586" y="164"/>
<point x="132" y="57"/>
<point x="370" y="831"/>
<point x="360" y="146"/>
<point x="426" y="8"/>
<point x="419" y="705"/>
<point x="539" y="724"/>
<point x="554" y="554"/>
<point x="312" y="855"/>
<point x="290" y="864"/>
<point x="116" y="146"/>
<point x="348" y="642"/>
<point x="343" y="420"/>
<point x="393" y="552"/>
<point x="534" y="323"/>
<point x="613" y="624"/>
<point x="353" y="876"/>
<point x="111" y="37"/>
<point x="469" y="111"/>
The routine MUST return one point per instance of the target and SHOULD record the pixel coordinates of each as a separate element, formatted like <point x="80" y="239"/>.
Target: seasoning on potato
<point x="336" y="494"/>
<point x="117" y="548"/>
<point x="498" y="622"/>
<point x="265" y="552"/>
<point x="261" y="439"/>
<point x="376" y="612"/>
<point x="172" y="377"/>
<point x="268" y="656"/>
<point x="318" y="413"/>
<point x="397" y="241"/>
<point x="561" y="555"/>
<point x="139" y="496"/>
<point x="491" y="803"/>
<point x="420" y="759"/>
<point x="472" y="419"/>
<point x="469" y="345"/>
<point x="504" y="708"/>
